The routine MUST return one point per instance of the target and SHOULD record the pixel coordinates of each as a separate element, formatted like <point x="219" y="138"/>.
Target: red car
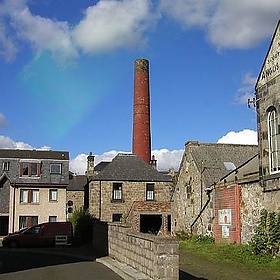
<point x="42" y="235"/>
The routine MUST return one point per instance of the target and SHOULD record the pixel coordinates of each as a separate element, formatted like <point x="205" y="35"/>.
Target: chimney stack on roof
<point x="90" y="165"/>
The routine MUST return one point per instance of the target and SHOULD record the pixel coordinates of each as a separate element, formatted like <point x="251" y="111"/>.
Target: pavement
<point x="86" y="252"/>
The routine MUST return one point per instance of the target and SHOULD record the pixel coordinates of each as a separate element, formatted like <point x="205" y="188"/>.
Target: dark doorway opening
<point x="4" y="224"/>
<point x="150" y="223"/>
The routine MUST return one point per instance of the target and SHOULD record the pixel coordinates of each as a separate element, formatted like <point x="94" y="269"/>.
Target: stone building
<point x="32" y="187"/>
<point x="202" y="167"/>
<point x="131" y="191"/>
<point x="268" y="119"/>
<point x="77" y="191"/>
<point x="238" y="201"/>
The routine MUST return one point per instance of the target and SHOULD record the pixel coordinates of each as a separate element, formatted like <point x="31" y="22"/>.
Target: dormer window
<point x="30" y="169"/>
<point x="6" y="166"/>
<point x="56" y="168"/>
<point x="273" y="141"/>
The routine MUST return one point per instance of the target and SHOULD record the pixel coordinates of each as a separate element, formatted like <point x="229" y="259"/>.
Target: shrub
<point x="82" y="225"/>
<point x="267" y="237"/>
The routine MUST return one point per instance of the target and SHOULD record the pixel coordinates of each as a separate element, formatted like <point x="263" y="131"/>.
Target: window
<point x="117" y="191"/>
<point x="56" y="168"/>
<point x="30" y="169"/>
<point x="150" y="191"/>
<point x="53" y="195"/>
<point x="6" y="166"/>
<point x="29" y="196"/>
<point x="117" y="217"/>
<point x="27" y="221"/>
<point x="273" y="140"/>
<point x="52" y="219"/>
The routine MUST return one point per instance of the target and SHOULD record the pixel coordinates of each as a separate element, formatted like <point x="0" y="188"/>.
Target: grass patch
<point x="235" y="255"/>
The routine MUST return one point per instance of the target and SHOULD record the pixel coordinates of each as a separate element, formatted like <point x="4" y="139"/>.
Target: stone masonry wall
<point x="157" y="257"/>
<point x="189" y="198"/>
<point x="105" y="207"/>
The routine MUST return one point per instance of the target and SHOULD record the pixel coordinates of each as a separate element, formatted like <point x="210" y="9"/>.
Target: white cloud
<point x="106" y="26"/>
<point x="41" y="33"/>
<point x="8" y="143"/>
<point x="165" y="159"/>
<point x="110" y="25"/>
<point x="227" y="23"/>
<point x="168" y="159"/>
<point x="120" y="24"/>
<point x="247" y="89"/>
<point x="246" y="136"/>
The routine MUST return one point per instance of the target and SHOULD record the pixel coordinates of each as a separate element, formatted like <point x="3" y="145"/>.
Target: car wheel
<point x="13" y="244"/>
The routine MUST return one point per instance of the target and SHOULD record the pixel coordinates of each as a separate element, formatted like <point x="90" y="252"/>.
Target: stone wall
<point x="155" y="256"/>
<point x="103" y="207"/>
<point x="78" y="199"/>
<point x="189" y="198"/>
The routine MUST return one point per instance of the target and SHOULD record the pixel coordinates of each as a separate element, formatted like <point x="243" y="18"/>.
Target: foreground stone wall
<point x="155" y="256"/>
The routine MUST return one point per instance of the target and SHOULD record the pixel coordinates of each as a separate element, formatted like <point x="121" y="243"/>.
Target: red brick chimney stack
<point x="141" y="142"/>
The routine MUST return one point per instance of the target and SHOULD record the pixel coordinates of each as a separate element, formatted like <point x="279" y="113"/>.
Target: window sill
<point x="29" y="203"/>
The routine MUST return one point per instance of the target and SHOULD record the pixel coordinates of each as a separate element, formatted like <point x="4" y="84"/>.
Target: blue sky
<point x="67" y="73"/>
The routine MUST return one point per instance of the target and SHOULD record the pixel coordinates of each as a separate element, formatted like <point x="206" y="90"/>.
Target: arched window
<point x="273" y="141"/>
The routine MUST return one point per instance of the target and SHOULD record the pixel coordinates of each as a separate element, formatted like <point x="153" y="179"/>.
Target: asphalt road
<point x="22" y="264"/>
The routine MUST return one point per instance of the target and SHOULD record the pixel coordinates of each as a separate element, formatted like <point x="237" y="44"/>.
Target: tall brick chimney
<point x="141" y="142"/>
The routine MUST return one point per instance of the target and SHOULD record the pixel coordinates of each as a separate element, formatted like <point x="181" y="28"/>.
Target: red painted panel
<point x="227" y="198"/>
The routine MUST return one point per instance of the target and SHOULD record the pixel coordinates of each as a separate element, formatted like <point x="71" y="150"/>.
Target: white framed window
<point x="30" y="169"/>
<point x="27" y="221"/>
<point x="23" y="196"/>
<point x="273" y="141"/>
<point x="150" y="188"/>
<point x="53" y="195"/>
<point x="117" y="191"/>
<point x="6" y="166"/>
<point x="52" y="219"/>
<point x="55" y="168"/>
<point x="29" y="196"/>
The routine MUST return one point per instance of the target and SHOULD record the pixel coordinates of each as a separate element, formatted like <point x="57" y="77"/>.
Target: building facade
<point x="238" y="201"/>
<point x="33" y="187"/>
<point x="268" y="118"/>
<point x="130" y="191"/>
<point x="202" y="167"/>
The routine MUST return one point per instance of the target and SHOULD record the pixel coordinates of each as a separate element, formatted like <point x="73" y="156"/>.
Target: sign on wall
<point x="271" y="66"/>
<point x="224" y="217"/>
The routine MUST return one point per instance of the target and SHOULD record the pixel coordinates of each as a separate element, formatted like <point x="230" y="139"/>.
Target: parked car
<point x="42" y="235"/>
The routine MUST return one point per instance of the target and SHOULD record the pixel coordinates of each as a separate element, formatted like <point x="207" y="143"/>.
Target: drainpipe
<point x="100" y="200"/>
<point x="14" y="207"/>
<point x="203" y="208"/>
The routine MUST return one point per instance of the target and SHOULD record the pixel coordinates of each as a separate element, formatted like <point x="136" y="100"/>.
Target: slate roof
<point x="100" y="166"/>
<point x="128" y="167"/>
<point x="34" y="154"/>
<point x="77" y="183"/>
<point x="212" y="159"/>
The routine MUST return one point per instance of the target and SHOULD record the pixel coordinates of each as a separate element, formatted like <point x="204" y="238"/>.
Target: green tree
<point x="82" y="222"/>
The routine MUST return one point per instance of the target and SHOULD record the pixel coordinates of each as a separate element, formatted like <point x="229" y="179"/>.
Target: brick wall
<point x="227" y="214"/>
